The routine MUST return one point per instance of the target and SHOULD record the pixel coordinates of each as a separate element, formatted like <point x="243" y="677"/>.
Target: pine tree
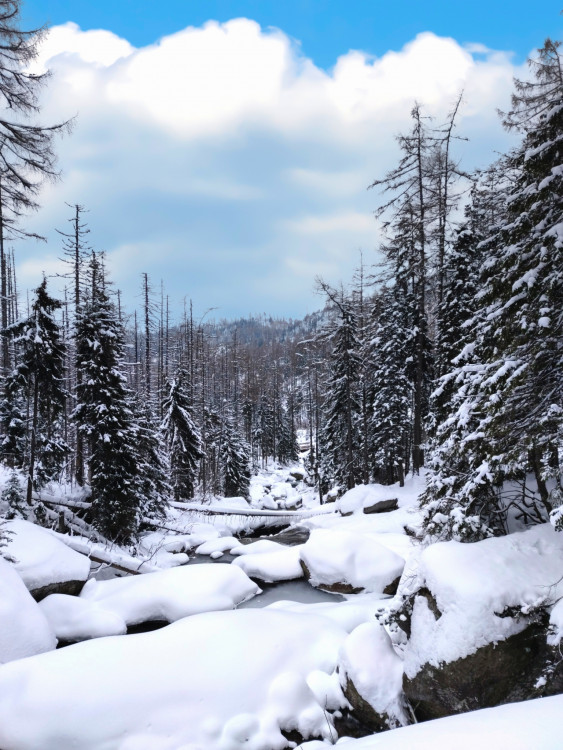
<point x="389" y="426"/>
<point x="235" y="460"/>
<point x="288" y="450"/>
<point x="507" y="415"/>
<point x="39" y="374"/>
<point x="183" y="439"/>
<point x="152" y="477"/>
<point x="342" y="434"/>
<point x="12" y="495"/>
<point x="104" y="416"/>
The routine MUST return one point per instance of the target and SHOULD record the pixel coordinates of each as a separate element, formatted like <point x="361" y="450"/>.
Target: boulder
<point x="298" y="474"/>
<point x="382" y="506"/>
<point x="45" y="564"/>
<point x="519" y="668"/>
<point x="371" y="678"/>
<point x="347" y="562"/>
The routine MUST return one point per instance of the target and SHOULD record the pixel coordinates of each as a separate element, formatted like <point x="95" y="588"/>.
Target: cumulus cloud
<point x="223" y="161"/>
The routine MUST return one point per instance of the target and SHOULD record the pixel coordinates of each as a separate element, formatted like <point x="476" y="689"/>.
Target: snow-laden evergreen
<point x="104" y="414"/>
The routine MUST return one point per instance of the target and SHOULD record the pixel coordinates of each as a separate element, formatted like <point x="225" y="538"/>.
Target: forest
<point x="432" y="380"/>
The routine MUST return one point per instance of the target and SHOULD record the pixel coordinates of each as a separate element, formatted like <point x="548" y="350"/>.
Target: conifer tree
<point x="342" y="438"/>
<point x="389" y="428"/>
<point x="183" y="439"/>
<point x="152" y="477"/>
<point x="104" y="416"/>
<point x="235" y="460"/>
<point x="39" y="375"/>
<point x="12" y="495"/>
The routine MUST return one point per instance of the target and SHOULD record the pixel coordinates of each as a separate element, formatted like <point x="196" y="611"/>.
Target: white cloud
<point x="221" y="159"/>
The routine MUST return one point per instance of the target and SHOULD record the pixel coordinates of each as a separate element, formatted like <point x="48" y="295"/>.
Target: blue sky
<point x="326" y="29"/>
<point x="231" y="159"/>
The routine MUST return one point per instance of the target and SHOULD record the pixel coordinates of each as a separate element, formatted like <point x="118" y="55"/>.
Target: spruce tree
<point x="389" y="425"/>
<point x="183" y="439"/>
<point x="104" y="416"/>
<point x="235" y="460"/>
<point x="341" y="459"/>
<point x="152" y="469"/>
<point x="39" y="375"/>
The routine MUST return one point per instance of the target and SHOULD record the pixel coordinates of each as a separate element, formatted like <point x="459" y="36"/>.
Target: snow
<point x="41" y="559"/>
<point x="370" y="662"/>
<point x="73" y="618"/>
<point x="533" y="725"/>
<point x="221" y="544"/>
<point x="171" y="594"/>
<point x="359" y="609"/>
<point x="24" y="630"/>
<point x="333" y="556"/>
<point x="215" y="681"/>
<point x="277" y="565"/>
<point x="473" y="584"/>
<point x="556" y="624"/>
<point x="259" y="547"/>
<point x="364" y="495"/>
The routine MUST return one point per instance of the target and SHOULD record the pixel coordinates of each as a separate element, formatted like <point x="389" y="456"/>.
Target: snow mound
<point x="279" y="565"/>
<point x="347" y="614"/>
<point x="41" y="559"/>
<point x="474" y="584"/>
<point x="364" y="495"/>
<point x="369" y="661"/>
<point x="24" y="630"/>
<point x="195" y="684"/>
<point x="73" y="618"/>
<point x="255" y="548"/>
<point x="171" y="594"/>
<point x="532" y="725"/>
<point x="222" y="544"/>
<point x="345" y="557"/>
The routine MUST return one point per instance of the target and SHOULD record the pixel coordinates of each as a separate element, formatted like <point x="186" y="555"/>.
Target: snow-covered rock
<point x="479" y="623"/>
<point x="217" y="681"/>
<point x="24" y="630"/>
<point x="221" y="544"/>
<point x="476" y="587"/>
<point x="259" y="547"/>
<point x="278" y="565"/>
<point x="74" y="618"/>
<point x="171" y="594"/>
<point x="44" y="563"/>
<point x="349" y="562"/>
<point x="371" y="674"/>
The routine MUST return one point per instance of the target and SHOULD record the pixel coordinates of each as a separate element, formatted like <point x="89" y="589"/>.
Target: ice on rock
<point x="216" y="681"/>
<point x="172" y="594"/>
<point x="41" y="559"/>
<point x="24" y="630"/>
<point x="353" y="559"/>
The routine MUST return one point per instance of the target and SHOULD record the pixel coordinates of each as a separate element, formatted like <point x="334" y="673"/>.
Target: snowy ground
<point x="223" y="680"/>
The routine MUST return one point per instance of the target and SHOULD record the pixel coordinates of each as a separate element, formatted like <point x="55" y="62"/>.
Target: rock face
<point x="520" y="668"/>
<point x="383" y="506"/>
